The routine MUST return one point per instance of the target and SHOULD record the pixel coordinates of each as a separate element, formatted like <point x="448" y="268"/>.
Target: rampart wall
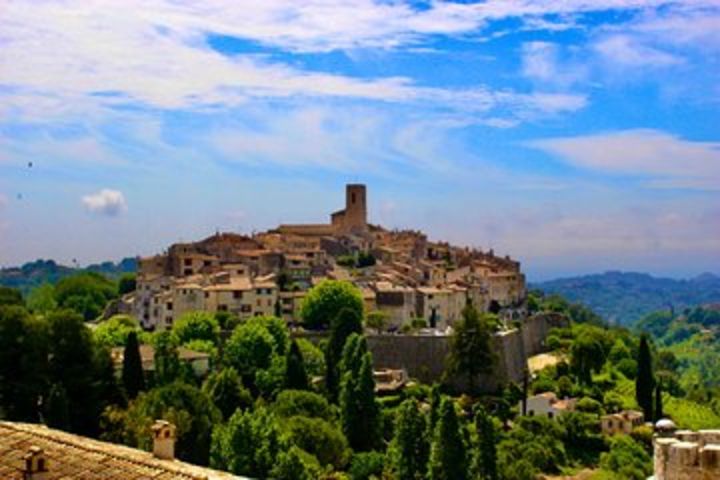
<point x="424" y="356"/>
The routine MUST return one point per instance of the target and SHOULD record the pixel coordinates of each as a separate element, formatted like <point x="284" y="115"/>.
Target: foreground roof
<point x="74" y="457"/>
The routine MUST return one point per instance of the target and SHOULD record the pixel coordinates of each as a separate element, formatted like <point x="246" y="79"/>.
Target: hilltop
<point x="625" y="297"/>
<point x="32" y="274"/>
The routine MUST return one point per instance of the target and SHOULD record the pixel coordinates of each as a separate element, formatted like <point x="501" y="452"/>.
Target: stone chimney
<point x="163" y="440"/>
<point x="36" y="465"/>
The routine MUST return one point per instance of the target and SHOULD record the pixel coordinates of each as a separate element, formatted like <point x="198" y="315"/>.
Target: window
<point x="259" y="302"/>
<point x="246" y="308"/>
<point x="207" y="294"/>
<point x="188" y="262"/>
<point x="206" y="263"/>
<point x="222" y="308"/>
<point x="188" y="271"/>
<point x="237" y="294"/>
<point x="169" y="306"/>
<point x="259" y="291"/>
<point x="550" y="415"/>
<point x="352" y="197"/>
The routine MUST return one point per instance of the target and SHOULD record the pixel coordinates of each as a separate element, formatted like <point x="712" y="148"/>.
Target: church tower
<point x="355" y="208"/>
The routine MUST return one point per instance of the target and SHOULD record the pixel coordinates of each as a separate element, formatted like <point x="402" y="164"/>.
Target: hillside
<point x="625" y="297"/>
<point x="41" y="271"/>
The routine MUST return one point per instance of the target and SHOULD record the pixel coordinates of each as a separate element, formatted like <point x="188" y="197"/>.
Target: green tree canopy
<point x="645" y="380"/>
<point x="410" y="447"/>
<point x="295" y="375"/>
<point x="359" y="412"/>
<point x="291" y="403"/>
<point x="196" y="326"/>
<point x="23" y="363"/>
<point x="448" y="456"/>
<point x="10" y="296"/>
<point x="227" y="392"/>
<point x="86" y="293"/>
<point x="343" y="326"/>
<point x="133" y="377"/>
<point x="471" y="347"/>
<point x="114" y="331"/>
<point x="320" y="438"/>
<point x="324" y="302"/>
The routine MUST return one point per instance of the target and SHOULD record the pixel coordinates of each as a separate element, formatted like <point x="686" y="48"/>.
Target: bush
<point x="366" y="465"/>
<point x="320" y="438"/>
<point x="627" y="458"/>
<point x="291" y="403"/>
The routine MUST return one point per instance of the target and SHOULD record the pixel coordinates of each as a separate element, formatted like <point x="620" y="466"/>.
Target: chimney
<point x="163" y="440"/>
<point x="36" y="465"/>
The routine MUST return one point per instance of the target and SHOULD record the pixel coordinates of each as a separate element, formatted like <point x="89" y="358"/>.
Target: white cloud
<point x="541" y="61"/>
<point x="667" y="160"/>
<point x="106" y="202"/>
<point x="625" y="50"/>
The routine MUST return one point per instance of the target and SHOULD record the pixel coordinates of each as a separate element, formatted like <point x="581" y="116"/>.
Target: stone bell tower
<point x="355" y="208"/>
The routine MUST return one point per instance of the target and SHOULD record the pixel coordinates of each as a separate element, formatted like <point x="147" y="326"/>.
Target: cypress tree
<point x="410" y="446"/>
<point x="359" y="413"/>
<point x="347" y="322"/>
<point x="435" y="400"/>
<point x="132" y="372"/>
<point x="448" y="458"/>
<point x="470" y="347"/>
<point x="658" y="402"/>
<point x="485" y="467"/>
<point x="57" y="409"/>
<point x="167" y="360"/>
<point x="295" y="374"/>
<point x="645" y="381"/>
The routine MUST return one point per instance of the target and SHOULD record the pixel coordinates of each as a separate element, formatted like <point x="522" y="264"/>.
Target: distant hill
<point x="625" y="297"/>
<point x="38" y="272"/>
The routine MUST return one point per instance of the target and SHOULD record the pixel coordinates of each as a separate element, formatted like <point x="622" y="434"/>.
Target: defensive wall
<point x="424" y="356"/>
<point x="688" y="455"/>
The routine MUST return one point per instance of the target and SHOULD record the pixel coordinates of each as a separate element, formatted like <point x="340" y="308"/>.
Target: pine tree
<point x="448" y="458"/>
<point x="658" y="402"/>
<point x="359" y="412"/>
<point x="485" y="467"/>
<point x="57" y="409"/>
<point x="132" y="372"/>
<point x="295" y="374"/>
<point x="410" y="446"/>
<point x="645" y="381"/>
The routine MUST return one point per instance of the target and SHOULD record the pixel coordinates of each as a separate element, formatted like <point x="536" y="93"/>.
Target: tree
<point x="295" y="375"/>
<point x="343" y="326"/>
<point x="167" y="361"/>
<point x="41" y="299"/>
<point x="471" y="347"/>
<point x="448" y="460"/>
<point x="249" y="444"/>
<point x="226" y="391"/>
<point x="127" y="283"/>
<point x="292" y="403"/>
<point x="72" y="365"/>
<point x="86" y="293"/>
<point x="11" y="296"/>
<point x="645" y="381"/>
<point x="627" y="459"/>
<point x="658" y="402"/>
<point x="319" y="438"/>
<point x="410" y="447"/>
<point x="57" y="410"/>
<point x="377" y="320"/>
<point x="114" y="331"/>
<point x="23" y="363"/>
<point x="359" y="412"/>
<point x="367" y="466"/>
<point x="324" y="302"/>
<point x="250" y="349"/>
<point x="485" y="461"/>
<point x="183" y="405"/>
<point x="133" y="378"/>
<point x="296" y="464"/>
<point x="588" y="353"/>
<point x="196" y="326"/>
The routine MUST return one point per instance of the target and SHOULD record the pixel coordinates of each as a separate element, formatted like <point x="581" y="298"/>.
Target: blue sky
<point x="576" y="136"/>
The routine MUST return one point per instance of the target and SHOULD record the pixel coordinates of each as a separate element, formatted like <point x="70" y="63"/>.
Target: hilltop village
<point x="400" y="273"/>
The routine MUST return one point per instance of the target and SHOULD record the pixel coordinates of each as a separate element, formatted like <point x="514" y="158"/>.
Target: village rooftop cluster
<point x="399" y="272"/>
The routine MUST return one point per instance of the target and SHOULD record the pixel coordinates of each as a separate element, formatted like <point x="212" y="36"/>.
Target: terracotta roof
<point x="74" y="457"/>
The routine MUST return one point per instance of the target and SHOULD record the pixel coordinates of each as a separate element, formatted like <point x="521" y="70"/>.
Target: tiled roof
<point x="71" y="457"/>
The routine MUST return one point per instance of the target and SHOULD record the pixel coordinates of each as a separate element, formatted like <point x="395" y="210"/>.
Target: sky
<point x="576" y="136"/>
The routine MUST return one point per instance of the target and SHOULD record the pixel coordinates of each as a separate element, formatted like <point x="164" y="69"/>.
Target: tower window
<point x="352" y="197"/>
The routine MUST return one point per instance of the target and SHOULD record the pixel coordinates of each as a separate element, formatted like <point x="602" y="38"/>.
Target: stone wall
<point x="424" y="356"/>
<point x="688" y="456"/>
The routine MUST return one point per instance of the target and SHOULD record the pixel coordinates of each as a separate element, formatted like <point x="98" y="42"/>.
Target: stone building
<point x="621" y="423"/>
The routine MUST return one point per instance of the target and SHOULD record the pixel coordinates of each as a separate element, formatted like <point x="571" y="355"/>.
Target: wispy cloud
<point x="628" y="51"/>
<point x="106" y="202"/>
<point x="664" y="158"/>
